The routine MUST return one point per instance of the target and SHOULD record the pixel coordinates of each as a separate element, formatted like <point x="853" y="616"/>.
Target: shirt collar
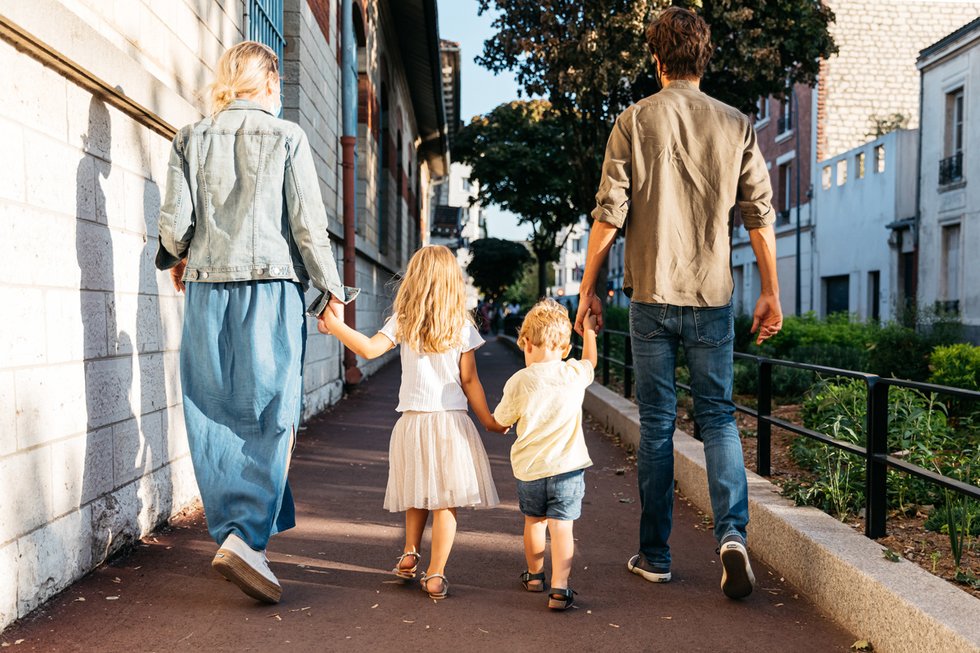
<point x="683" y="84"/>
<point x="241" y="103"/>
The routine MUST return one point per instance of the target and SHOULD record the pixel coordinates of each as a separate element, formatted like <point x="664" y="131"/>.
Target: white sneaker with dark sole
<point x="737" y="579"/>
<point x="247" y="568"/>
<point x="652" y="575"/>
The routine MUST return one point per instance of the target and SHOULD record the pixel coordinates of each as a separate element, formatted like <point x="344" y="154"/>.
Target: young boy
<point x="549" y="457"/>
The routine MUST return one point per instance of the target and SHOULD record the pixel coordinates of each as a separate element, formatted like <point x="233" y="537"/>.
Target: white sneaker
<point x="737" y="579"/>
<point x="247" y="568"/>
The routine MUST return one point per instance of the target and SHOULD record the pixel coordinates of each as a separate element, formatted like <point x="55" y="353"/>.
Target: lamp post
<point x="795" y="100"/>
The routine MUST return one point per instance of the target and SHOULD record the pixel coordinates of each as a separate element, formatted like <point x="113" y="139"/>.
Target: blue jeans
<point x="707" y="335"/>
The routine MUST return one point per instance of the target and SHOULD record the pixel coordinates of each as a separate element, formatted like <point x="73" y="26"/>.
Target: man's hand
<point x="768" y="317"/>
<point x="588" y="305"/>
<point x="177" y="275"/>
<point x="496" y="427"/>
<point x="332" y="315"/>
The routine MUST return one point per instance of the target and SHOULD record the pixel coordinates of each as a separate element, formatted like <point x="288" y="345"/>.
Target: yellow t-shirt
<point x="545" y="400"/>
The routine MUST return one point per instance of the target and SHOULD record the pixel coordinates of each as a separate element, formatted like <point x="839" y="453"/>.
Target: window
<point x="265" y="25"/>
<point x="950" y="281"/>
<point x="837" y="291"/>
<point x="879" y="159"/>
<point x="842" y="172"/>
<point x="859" y="166"/>
<point x="951" y="167"/>
<point x="786" y="116"/>
<point x="827" y="177"/>
<point x="785" y="192"/>
<point x="762" y="109"/>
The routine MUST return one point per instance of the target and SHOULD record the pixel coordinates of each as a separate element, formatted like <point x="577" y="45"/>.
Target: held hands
<point x="332" y="316"/>
<point x="589" y="323"/>
<point x="588" y="306"/>
<point x="177" y="275"/>
<point x="768" y="317"/>
<point x="496" y="427"/>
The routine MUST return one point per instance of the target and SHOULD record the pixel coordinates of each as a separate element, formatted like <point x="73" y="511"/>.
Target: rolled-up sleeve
<point x="177" y="211"/>
<point x="509" y="409"/>
<point x="613" y="199"/>
<point x="308" y="224"/>
<point x="754" y="189"/>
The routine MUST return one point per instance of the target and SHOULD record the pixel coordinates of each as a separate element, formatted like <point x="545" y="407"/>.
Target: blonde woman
<point x="436" y="460"/>
<point x="243" y="231"/>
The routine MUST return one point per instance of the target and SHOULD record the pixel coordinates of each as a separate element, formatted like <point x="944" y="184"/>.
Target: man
<point x="676" y="163"/>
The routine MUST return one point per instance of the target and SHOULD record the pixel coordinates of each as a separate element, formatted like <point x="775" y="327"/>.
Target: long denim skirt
<point x="241" y="370"/>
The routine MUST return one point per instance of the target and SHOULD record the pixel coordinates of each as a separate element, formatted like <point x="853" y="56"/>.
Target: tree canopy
<point x="496" y="264"/>
<point x="520" y="153"/>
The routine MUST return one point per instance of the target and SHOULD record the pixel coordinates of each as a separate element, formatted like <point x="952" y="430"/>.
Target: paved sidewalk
<point x="339" y="596"/>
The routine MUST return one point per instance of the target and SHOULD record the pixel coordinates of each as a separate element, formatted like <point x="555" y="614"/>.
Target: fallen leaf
<point x="667" y="618"/>
<point x="117" y="579"/>
<point x="407" y="621"/>
<point x="626" y="500"/>
<point x="374" y="606"/>
<point x="614" y="625"/>
<point x="80" y="598"/>
<point x="778" y="604"/>
<point x="19" y="641"/>
<point x="890" y="556"/>
<point x="484" y="631"/>
<point x="862" y="645"/>
<point x="112" y="598"/>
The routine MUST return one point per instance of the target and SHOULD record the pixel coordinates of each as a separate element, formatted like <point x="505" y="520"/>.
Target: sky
<point x="481" y="89"/>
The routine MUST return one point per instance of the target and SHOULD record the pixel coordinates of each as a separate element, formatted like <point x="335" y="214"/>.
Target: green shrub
<point x="900" y="352"/>
<point x="616" y="318"/>
<point x="937" y="520"/>
<point x="956" y="365"/>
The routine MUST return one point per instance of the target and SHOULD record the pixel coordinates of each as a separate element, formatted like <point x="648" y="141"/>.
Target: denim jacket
<point x="243" y="203"/>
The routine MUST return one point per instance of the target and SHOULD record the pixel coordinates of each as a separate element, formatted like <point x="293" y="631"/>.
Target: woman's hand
<point x="177" y="275"/>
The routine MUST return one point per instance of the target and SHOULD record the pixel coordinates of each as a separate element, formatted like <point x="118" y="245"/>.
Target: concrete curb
<point x="899" y="607"/>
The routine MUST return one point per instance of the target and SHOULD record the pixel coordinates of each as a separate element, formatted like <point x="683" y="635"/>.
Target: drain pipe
<point x="348" y="142"/>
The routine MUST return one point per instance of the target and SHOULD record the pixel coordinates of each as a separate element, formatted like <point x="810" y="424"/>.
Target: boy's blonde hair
<point x="430" y="306"/>
<point x="243" y="69"/>
<point x="546" y="325"/>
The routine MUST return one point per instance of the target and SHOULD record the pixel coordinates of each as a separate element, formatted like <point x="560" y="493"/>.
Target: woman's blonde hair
<point x="243" y="69"/>
<point x="546" y="325"/>
<point x="430" y="307"/>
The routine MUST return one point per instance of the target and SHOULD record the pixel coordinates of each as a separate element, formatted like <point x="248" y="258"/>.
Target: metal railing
<point x="875" y="453"/>
<point x="951" y="169"/>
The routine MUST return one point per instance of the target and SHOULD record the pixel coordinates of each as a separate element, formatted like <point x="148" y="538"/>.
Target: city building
<point x="949" y="205"/>
<point x="93" y="453"/>
<point x="864" y="197"/>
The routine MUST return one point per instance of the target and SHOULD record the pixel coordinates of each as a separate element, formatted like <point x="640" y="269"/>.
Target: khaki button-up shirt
<point x="676" y="164"/>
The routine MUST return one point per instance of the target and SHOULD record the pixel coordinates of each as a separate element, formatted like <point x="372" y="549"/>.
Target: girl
<point x="243" y="226"/>
<point x="436" y="459"/>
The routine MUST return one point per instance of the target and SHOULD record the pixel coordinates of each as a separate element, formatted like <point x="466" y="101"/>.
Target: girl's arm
<point x="356" y="341"/>
<point x="473" y="390"/>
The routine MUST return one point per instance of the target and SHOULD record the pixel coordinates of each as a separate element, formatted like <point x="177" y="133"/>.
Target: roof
<point x="418" y="40"/>
<point x="973" y="25"/>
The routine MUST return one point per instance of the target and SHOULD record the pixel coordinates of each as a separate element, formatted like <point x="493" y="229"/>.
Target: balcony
<point x="951" y="169"/>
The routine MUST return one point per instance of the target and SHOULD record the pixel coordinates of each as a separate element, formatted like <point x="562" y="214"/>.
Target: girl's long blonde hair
<point x="243" y="69"/>
<point x="430" y="307"/>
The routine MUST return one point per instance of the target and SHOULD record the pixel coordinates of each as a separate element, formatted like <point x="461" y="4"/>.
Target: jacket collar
<point x="240" y="103"/>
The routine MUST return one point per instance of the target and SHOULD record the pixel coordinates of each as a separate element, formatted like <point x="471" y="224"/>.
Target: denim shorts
<point x="554" y="497"/>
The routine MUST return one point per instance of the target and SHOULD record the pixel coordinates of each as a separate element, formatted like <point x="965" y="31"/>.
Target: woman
<point x="243" y="225"/>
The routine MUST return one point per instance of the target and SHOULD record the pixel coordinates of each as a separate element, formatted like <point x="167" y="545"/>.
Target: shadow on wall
<point x="126" y="432"/>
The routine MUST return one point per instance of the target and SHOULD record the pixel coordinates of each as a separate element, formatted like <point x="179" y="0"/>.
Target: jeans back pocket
<point x="715" y="326"/>
<point x="647" y="320"/>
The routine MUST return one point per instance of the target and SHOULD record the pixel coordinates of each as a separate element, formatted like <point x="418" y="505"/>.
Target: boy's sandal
<point x="406" y="573"/>
<point x="538" y="579"/>
<point x="560" y="598"/>
<point x="443" y="591"/>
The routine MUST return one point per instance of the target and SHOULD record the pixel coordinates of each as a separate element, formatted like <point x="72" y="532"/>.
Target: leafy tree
<point x="519" y="152"/>
<point x="590" y="60"/>
<point x="497" y="264"/>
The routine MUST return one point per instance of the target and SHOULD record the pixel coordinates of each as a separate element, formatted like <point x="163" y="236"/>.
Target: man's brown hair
<point x="682" y="42"/>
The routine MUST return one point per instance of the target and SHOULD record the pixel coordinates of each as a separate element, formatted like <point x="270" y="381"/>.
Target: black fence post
<point x="763" y="454"/>
<point x="628" y="368"/>
<point x="876" y="488"/>
<point x="605" y="357"/>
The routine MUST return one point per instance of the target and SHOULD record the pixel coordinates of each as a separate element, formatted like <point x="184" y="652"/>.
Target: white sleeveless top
<point x="430" y="382"/>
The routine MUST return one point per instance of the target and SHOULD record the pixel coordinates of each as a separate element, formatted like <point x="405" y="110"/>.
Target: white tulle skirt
<point x="437" y="460"/>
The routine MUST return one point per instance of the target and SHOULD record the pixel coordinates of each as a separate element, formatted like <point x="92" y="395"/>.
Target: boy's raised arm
<point x="589" y="352"/>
